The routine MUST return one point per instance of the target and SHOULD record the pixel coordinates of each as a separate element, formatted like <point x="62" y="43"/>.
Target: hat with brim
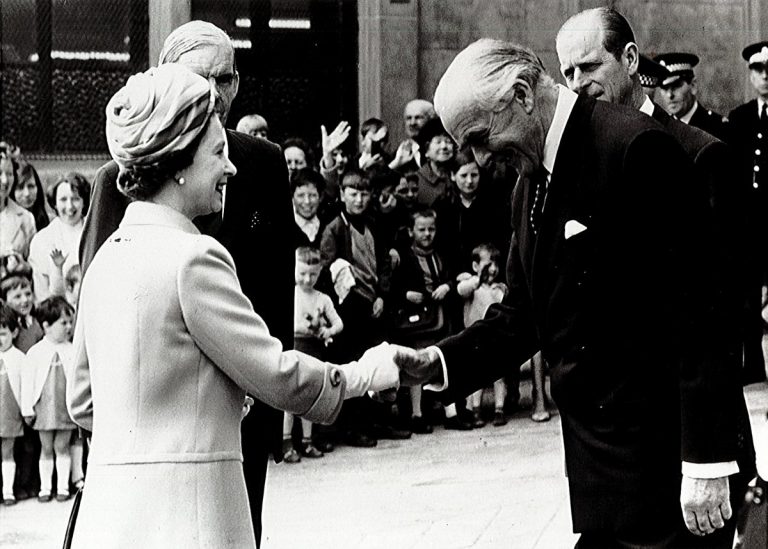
<point x="650" y="72"/>
<point x="679" y="65"/>
<point x="756" y="55"/>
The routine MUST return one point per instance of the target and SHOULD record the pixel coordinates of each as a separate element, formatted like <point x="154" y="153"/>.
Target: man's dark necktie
<point x="538" y="181"/>
<point x="764" y="114"/>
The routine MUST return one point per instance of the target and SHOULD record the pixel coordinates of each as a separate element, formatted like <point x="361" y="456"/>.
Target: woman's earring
<point x="181" y="181"/>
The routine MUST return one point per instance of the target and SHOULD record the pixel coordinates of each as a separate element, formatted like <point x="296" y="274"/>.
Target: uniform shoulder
<point x="744" y="109"/>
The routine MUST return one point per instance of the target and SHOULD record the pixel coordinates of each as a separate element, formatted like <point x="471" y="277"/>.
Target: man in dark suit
<point x="255" y="225"/>
<point x="678" y="94"/>
<point x="599" y="58"/>
<point x="610" y="272"/>
<point x="749" y="139"/>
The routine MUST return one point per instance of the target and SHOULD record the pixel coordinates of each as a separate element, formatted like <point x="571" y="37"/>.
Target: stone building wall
<point x="716" y="30"/>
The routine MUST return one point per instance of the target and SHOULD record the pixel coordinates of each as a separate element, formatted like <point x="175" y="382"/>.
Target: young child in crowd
<point x="44" y="394"/>
<point x="11" y="420"/>
<point x="424" y="279"/>
<point x="352" y="237"/>
<point x="480" y="291"/>
<point x="315" y="322"/>
<point x="16" y="291"/>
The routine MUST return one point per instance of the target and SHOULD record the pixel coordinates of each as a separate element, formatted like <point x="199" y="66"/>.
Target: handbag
<point x="70" y="532"/>
<point x="420" y="320"/>
<point x="752" y="526"/>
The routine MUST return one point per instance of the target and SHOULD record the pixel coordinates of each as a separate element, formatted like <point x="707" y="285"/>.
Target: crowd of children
<point x="41" y="450"/>
<point x="402" y="247"/>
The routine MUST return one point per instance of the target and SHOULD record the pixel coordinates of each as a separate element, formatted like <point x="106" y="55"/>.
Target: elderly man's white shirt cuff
<point x="444" y="385"/>
<point x="710" y="470"/>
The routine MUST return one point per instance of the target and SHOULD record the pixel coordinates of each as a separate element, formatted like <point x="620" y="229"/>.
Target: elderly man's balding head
<point x="416" y="114"/>
<point x="496" y="98"/>
<point x="206" y="50"/>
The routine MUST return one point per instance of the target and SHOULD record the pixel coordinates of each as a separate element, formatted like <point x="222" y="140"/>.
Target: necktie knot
<point x="764" y="113"/>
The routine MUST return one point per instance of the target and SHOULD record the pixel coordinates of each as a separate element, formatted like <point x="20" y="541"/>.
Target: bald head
<point x="599" y="57"/>
<point x="416" y="114"/>
<point x="206" y="50"/>
<point x="496" y="98"/>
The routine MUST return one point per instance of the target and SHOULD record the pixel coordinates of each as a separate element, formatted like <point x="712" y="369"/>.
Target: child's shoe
<point x="310" y="451"/>
<point x="44" y="496"/>
<point x="9" y="500"/>
<point x="291" y="456"/>
<point x="420" y="426"/>
<point x="63" y="496"/>
<point x="499" y="418"/>
<point x="477" y="421"/>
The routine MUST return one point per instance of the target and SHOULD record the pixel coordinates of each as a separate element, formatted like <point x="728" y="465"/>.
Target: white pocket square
<point x="572" y="228"/>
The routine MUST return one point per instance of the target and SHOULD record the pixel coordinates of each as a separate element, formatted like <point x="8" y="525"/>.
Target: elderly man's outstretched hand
<point x="418" y="366"/>
<point x="705" y="503"/>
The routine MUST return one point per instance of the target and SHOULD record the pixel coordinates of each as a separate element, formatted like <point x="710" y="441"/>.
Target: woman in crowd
<point x="298" y="155"/>
<point x="28" y="193"/>
<point x="434" y="174"/>
<point x="166" y="343"/>
<point x="54" y="249"/>
<point x="17" y="226"/>
<point x="307" y="190"/>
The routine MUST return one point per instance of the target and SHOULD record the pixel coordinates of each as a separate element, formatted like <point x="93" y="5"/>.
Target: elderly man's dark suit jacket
<point x="623" y="313"/>
<point x="256" y="229"/>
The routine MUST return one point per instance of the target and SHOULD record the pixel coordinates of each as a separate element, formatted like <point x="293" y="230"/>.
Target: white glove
<point x="375" y="371"/>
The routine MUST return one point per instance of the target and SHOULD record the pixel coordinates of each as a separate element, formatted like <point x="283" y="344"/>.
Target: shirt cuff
<point x="444" y="385"/>
<point x="710" y="470"/>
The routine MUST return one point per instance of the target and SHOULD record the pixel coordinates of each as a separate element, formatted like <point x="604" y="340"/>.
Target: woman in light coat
<point x="166" y="344"/>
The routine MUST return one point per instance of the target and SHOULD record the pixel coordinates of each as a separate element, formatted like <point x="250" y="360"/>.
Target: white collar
<point x="687" y="116"/>
<point x="760" y="103"/>
<point x="149" y="213"/>
<point x="647" y="106"/>
<point x="566" y="99"/>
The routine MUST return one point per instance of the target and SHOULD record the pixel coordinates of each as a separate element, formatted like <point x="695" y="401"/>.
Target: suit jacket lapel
<point x="562" y="194"/>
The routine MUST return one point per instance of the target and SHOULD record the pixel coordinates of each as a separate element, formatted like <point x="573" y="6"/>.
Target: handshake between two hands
<point x="387" y="366"/>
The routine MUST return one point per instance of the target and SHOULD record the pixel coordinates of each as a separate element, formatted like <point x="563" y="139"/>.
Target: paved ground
<point x="495" y="487"/>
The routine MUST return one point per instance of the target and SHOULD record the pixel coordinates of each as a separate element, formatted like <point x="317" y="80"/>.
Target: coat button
<point x="757" y="152"/>
<point x="335" y="375"/>
<point x="756" y="168"/>
<point x="759" y="135"/>
<point x="755" y="185"/>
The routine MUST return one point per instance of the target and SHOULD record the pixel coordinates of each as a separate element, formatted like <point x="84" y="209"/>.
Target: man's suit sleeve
<point x="504" y="339"/>
<point x="105" y="212"/>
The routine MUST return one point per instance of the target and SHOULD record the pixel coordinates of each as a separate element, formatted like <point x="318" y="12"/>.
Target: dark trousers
<point x="26" y="452"/>
<point x="673" y="537"/>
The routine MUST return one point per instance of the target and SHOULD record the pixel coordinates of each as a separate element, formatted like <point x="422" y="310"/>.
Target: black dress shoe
<point x="420" y="426"/>
<point x="457" y="424"/>
<point x="360" y="440"/>
<point x="390" y="433"/>
<point x="325" y="446"/>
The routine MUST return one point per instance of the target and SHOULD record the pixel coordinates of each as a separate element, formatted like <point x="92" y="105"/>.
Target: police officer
<point x="651" y="75"/>
<point x="677" y="94"/>
<point x="749" y="138"/>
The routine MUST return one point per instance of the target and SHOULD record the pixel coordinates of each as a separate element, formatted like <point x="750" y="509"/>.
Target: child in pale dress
<point x="315" y="322"/>
<point x="480" y="291"/>
<point x="44" y="394"/>
<point x="16" y="291"/>
<point x="11" y="421"/>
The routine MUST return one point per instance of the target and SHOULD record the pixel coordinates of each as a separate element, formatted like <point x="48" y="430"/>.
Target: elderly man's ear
<point x="523" y="95"/>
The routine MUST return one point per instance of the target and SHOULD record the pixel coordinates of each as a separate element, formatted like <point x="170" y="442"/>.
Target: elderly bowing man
<point x="167" y="344"/>
<point x="609" y="273"/>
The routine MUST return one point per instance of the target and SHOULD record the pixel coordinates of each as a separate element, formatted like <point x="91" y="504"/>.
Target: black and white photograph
<point x="384" y="274"/>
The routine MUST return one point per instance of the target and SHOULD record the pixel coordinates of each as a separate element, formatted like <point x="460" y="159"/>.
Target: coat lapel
<point x="562" y="196"/>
